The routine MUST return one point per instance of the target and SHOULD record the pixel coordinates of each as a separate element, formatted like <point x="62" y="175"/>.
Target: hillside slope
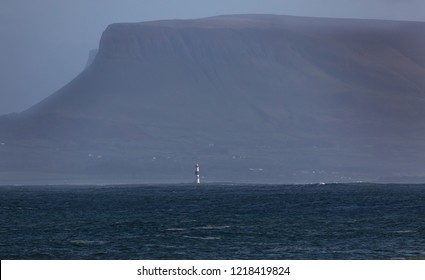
<point x="250" y="97"/>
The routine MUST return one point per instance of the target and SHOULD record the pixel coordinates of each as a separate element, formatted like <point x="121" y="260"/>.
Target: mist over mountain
<point x="252" y="98"/>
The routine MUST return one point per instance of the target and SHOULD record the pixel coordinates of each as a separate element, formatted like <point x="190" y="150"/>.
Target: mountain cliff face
<point x="250" y="97"/>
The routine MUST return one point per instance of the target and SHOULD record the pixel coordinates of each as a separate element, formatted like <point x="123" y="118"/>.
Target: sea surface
<point x="213" y="221"/>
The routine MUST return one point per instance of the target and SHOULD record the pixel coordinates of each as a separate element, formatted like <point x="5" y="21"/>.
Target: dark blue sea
<point x="213" y="221"/>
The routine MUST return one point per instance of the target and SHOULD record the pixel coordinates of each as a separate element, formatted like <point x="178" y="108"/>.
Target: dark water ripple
<point x="335" y="221"/>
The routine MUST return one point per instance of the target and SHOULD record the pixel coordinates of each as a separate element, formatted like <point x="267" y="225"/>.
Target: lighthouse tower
<point x="197" y="179"/>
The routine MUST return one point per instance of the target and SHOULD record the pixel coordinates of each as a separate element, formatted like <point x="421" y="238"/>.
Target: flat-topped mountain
<point x="250" y="97"/>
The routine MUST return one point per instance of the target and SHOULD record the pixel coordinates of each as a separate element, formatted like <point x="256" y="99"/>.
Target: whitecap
<point x="404" y="231"/>
<point x="202" y="238"/>
<point x="87" y="242"/>
<point x="176" y="229"/>
<point x="210" y="227"/>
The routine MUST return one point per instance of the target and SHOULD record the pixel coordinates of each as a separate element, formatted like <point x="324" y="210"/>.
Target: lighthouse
<point x="197" y="179"/>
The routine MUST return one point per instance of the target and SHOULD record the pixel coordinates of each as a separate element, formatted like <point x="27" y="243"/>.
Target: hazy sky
<point x="45" y="43"/>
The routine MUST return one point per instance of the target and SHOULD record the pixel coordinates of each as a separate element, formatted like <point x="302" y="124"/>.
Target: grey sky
<point x="45" y="43"/>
